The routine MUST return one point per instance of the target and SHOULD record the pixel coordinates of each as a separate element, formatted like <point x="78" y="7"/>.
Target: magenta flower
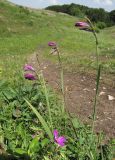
<point x="59" y="140"/>
<point x="29" y="76"/>
<point x="81" y="24"/>
<point x="52" y="44"/>
<point x="28" y="68"/>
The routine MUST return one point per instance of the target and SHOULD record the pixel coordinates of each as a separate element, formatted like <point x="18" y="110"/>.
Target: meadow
<point x="30" y="111"/>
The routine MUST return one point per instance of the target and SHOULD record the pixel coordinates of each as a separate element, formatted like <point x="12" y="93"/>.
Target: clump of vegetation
<point x="101" y="25"/>
<point x="26" y="130"/>
<point x="24" y="10"/>
<point x="34" y="123"/>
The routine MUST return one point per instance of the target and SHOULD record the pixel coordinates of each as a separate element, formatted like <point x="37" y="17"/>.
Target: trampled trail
<point x="80" y="92"/>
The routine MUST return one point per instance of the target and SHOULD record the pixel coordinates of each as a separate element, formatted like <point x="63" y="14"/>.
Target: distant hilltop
<point x="95" y="14"/>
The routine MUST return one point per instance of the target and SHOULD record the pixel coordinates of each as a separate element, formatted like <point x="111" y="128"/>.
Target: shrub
<point x="101" y="25"/>
<point x="24" y="10"/>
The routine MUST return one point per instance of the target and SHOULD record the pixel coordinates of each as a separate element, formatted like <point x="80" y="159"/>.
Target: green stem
<point x="62" y="79"/>
<point x="42" y="82"/>
<point x="96" y="40"/>
<point x="96" y="96"/>
<point x="97" y="55"/>
<point x="48" y="103"/>
<point x="74" y="129"/>
<point x="98" y="73"/>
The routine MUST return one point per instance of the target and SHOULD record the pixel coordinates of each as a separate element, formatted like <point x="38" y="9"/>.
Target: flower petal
<point x="81" y="24"/>
<point x="28" y="68"/>
<point x="55" y="133"/>
<point x="61" y="141"/>
<point x="51" y="44"/>
<point x="29" y="76"/>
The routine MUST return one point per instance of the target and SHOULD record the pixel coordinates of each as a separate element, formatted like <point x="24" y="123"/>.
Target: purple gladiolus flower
<point x="29" y="76"/>
<point x="59" y="140"/>
<point x="28" y="68"/>
<point x="81" y="24"/>
<point x="52" y="44"/>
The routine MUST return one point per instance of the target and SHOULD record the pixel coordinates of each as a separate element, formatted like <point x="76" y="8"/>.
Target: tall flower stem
<point x="62" y="79"/>
<point x="96" y="96"/>
<point x="96" y="40"/>
<point x="42" y="81"/>
<point x="63" y="91"/>
<point x="98" y="73"/>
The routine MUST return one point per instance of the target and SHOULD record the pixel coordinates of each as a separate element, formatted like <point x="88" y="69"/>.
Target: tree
<point x="74" y="11"/>
<point x="112" y="16"/>
<point x="96" y="15"/>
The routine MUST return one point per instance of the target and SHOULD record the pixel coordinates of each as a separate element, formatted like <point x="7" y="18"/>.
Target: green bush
<point x="101" y="25"/>
<point x="24" y="10"/>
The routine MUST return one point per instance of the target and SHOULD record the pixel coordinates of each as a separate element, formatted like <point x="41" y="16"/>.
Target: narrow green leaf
<point x="45" y="142"/>
<point x="41" y="119"/>
<point x="46" y="158"/>
<point x="34" y="146"/>
<point x="20" y="151"/>
<point x="75" y="122"/>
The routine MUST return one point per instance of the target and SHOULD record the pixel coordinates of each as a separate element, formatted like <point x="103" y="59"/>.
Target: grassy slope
<point x="22" y="33"/>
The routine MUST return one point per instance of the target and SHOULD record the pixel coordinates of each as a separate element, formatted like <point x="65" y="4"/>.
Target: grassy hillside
<point x="23" y="31"/>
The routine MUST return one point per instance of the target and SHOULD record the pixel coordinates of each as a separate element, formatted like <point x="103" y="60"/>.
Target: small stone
<point x="101" y="93"/>
<point x="45" y="67"/>
<point x="101" y="120"/>
<point x="86" y="89"/>
<point x="66" y="88"/>
<point x="109" y="118"/>
<point x="104" y="88"/>
<point x="97" y="117"/>
<point x="105" y="113"/>
<point x="111" y="98"/>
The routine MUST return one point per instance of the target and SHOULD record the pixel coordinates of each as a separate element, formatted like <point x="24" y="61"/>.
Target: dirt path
<point x="80" y="91"/>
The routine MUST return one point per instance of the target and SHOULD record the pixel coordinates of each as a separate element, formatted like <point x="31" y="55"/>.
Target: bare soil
<point x="80" y="92"/>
